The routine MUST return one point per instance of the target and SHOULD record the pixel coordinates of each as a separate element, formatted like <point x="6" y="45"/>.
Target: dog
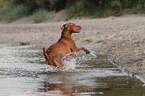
<point x="64" y="46"/>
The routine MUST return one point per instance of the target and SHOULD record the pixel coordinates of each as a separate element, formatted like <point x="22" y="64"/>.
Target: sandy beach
<point x="123" y="37"/>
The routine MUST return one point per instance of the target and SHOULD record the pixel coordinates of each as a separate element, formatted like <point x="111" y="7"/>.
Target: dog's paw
<point x="87" y="52"/>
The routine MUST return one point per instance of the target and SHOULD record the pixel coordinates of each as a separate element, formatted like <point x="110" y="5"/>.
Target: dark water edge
<point x="23" y="72"/>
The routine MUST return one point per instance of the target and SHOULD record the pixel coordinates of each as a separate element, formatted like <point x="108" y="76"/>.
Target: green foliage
<point x="11" y="12"/>
<point x="42" y="4"/>
<point x="3" y="2"/>
<point x="86" y="8"/>
<point x="104" y="8"/>
<point x="16" y="13"/>
<point x="116" y="6"/>
<point x="69" y="18"/>
<point x="76" y="8"/>
<point x="3" y="12"/>
<point x="41" y="15"/>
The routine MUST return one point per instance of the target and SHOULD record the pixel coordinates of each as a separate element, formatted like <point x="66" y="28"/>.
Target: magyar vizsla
<point x="64" y="46"/>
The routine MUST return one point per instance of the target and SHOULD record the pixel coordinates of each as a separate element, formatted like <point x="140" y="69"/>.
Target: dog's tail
<point x="45" y="54"/>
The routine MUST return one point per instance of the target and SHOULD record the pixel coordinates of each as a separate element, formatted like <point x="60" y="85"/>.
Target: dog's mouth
<point x="78" y="29"/>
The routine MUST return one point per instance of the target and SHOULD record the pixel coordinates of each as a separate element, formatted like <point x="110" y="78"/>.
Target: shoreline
<point x="123" y="37"/>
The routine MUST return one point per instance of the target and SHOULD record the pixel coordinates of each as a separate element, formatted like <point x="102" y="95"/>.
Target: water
<point x="24" y="73"/>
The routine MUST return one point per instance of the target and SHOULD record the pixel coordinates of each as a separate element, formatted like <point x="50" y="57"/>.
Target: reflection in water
<point x="65" y="87"/>
<point x="59" y="83"/>
<point x="22" y="72"/>
<point x="106" y="86"/>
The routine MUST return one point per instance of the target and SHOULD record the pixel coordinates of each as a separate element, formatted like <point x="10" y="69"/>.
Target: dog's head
<point x="71" y="27"/>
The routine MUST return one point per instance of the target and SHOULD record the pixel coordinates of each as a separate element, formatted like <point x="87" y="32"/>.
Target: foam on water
<point x="50" y="68"/>
<point x="69" y="65"/>
<point x="76" y="59"/>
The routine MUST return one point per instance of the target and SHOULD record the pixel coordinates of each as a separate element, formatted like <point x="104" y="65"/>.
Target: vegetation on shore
<point x="11" y="10"/>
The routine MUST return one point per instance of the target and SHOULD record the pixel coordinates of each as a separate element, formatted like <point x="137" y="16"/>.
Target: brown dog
<point x="64" y="45"/>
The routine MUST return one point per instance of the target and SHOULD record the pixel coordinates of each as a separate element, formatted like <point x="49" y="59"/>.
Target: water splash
<point x="93" y="54"/>
<point x="69" y="65"/>
<point x="76" y="59"/>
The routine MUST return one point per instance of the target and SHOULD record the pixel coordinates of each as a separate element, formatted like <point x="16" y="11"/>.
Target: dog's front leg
<point x="86" y="50"/>
<point x="81" y="48"/>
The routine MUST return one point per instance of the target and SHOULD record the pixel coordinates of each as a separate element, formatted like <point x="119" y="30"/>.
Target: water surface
<point x="24" y="73"/>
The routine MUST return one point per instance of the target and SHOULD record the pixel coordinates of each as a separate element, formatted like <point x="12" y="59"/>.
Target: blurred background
<point x="41" y="10"/>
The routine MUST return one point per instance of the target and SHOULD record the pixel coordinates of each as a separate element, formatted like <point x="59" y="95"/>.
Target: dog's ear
<point x="66" y="25"/>
<point x="61" y="27"/>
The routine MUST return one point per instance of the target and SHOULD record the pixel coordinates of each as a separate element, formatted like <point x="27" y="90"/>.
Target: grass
<point x="17" y="12"/>
<point x="69" y="18"/>
<point x="11" y="13"/>
<point x="42" y="15"/>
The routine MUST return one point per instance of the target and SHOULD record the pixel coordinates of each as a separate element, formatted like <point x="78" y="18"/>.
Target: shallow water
<point x="24" y="73"/>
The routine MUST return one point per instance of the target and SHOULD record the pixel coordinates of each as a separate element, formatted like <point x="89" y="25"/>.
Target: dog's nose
<point x="80" y="27"/>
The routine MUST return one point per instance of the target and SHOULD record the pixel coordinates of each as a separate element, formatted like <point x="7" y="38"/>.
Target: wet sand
<point x="123" y="37"/>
